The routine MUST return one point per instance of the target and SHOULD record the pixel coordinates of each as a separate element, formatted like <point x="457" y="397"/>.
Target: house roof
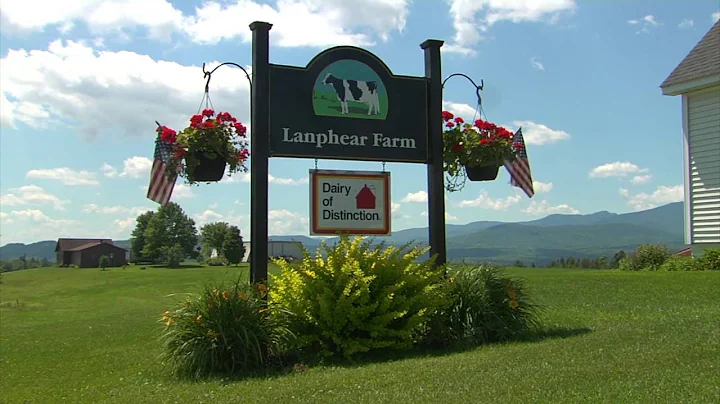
<point x="685" y="251"/>
<point x="702" y="61"/>
<point x="66" y="244"/>
<point x="93" y="244"/>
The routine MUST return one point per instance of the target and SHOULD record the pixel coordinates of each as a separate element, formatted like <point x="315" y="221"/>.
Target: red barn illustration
<point x="365" y="199"/>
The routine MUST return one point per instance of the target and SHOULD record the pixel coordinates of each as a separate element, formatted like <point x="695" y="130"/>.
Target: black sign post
<point x="259" y="146"/>
<point x="435" y="172"/>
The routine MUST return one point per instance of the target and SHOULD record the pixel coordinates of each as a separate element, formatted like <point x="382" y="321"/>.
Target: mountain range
<point x="539" y="241"/>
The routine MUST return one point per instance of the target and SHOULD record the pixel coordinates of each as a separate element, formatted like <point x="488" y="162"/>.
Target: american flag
<point x="161" y="184"/>
<point x="519" y="169"/>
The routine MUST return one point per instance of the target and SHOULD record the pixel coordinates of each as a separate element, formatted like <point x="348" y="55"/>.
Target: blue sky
<point x="81" y="86"/>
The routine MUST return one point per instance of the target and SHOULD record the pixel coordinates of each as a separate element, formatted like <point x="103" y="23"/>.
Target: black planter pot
<point x="208" y="170"/>
<point x="482" y="173"/>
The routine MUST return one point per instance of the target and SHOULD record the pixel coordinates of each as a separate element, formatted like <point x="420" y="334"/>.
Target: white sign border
<point x="384" y="175"/>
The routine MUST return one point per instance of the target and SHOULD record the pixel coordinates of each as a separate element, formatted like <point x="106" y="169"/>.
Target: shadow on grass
<point x="296" y="364"/>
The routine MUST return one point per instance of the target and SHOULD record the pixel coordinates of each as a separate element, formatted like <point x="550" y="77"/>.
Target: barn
<point x="86" y="253"/>
<point x="697" y="81"/>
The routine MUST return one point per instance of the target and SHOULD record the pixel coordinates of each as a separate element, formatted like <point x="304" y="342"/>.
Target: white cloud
<point x="108" y="170"/>
<point x="616" y="169"/>
<point x="71" y="84"/>
<point x="534" y="62"/>
<point x="136" y="167"/>
<point x="417" y="197"/>
<point x="686" y="23"/>
<point x="484" y="201"/>
<point x="542" y="187"/>
<point x="448" y="217"/>
<point x="715" y="16"/>
<point x="284" y="222"/>
<point x="159" y="17"/>
<point x="459" y="109"/>
<point x="116" y="210"/>
<point x="5" y="218"/>
<point x="544" y="208"/>
<point x="646" y="22"/>
<point x="473" y="18"/>
<point x="641" y="179"/>
<point x="208" y="216"/>
<point x="661" y="196"/>
<point x="538" y="134"/>
<point x="65" y="175"/>
<point x="31" y="195"/>
<point x="123" y="225"/>
<point x="246" y="177"/>
<point x="182" y="191"/>
<point x="32" y="225"/>
<point x="318" y="23"/>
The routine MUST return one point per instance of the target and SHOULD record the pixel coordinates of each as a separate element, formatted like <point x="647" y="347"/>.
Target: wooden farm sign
<point x="349" y="202"/>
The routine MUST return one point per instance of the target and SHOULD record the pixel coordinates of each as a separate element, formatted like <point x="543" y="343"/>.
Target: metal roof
<point x="702" y="61"/>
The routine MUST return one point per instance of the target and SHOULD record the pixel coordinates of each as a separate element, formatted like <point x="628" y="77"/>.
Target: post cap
<point x="260" y="25"/>
<point x="432" y="43"/>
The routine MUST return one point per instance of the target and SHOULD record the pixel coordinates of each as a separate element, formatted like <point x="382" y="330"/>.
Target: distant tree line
<point x="23" y="262"/>
<point x="590" y="263"/>
<point x="169" y="236"/>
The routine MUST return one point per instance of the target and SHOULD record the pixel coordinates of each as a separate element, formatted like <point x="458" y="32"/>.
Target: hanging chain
<point x="383" y="166"/>
<point x="316" y="164"/>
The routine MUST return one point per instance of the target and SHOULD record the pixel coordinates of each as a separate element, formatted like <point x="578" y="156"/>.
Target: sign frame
<point x="314" y="203"/>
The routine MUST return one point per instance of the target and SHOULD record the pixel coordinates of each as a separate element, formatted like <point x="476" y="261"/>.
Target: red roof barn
<point x="365" y="199"/>
<point x="86" y="253"/>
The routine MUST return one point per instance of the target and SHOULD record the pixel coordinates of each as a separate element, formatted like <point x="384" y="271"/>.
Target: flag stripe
<point x="519" y="169"/>
<point x="161" y="184"/>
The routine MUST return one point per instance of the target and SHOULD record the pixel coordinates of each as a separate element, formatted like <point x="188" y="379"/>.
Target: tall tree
<point x="137" y="238"/>
<point x="168" y="228"/>
<point x="212" y="237"/>
<point x="233" y="247"/>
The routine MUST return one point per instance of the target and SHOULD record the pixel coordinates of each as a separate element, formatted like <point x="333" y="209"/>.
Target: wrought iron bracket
<point x="208" y="74"/>
<point x="478" y="88"/>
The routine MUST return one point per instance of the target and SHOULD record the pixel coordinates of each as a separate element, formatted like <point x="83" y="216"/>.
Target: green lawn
<point x="82" y="335"/>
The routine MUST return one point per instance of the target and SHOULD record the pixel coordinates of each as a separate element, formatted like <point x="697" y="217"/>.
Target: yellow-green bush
<point x="354" y="297"/>
<point x="680" y="263"/>
<point x="709" y="260"/>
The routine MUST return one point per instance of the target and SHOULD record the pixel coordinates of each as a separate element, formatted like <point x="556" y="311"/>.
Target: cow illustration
<point x="354" y="90"/>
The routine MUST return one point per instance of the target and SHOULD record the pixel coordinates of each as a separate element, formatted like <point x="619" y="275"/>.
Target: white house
<point x="697" y="80"/>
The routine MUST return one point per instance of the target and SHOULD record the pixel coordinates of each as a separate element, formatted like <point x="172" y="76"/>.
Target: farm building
<point x="86" y="253"/>
<point x="697" y="81"/>
<point x="278" y="249"/>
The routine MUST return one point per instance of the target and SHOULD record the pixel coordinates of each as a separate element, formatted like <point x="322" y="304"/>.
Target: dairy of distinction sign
<point x="349" y="202"/>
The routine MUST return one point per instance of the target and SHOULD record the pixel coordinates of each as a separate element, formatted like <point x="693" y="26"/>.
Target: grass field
<point x="326" y="103"/>
<point x="83" y="335"/>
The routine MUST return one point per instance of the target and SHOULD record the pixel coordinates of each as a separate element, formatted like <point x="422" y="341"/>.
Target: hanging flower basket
<point x="482" y="173"/>
<point x="474" y="152"/>
<point x="209" y="145"/>
<point x="209" y="167"/>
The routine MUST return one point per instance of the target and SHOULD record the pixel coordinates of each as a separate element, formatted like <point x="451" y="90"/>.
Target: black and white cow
<point x="354" y="90"/>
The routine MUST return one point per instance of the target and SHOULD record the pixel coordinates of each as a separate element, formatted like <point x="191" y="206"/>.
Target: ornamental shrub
<point x="483" y="306"/>
<point x="647" y="257"/>
<point x="709" y="260"/>
<point x="223" y="331"/>
<point x="354" y="298"/>
<point x="680" y="263"/>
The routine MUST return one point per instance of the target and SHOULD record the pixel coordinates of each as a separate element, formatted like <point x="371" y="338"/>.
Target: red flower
<point x="240" y="129"/>
<point x="196" y="119"/>
<point x="459" y="120"/>
<point x="450" y="124"/>
<point x="167" y="134"/>
<point x="208" y="112"/>
<point x="484" y="140"/>
<point x="457" y="148"/>
<point x="241" y="155"/>
<point x="209" y="124"/>
<point x="447" y="115"/>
